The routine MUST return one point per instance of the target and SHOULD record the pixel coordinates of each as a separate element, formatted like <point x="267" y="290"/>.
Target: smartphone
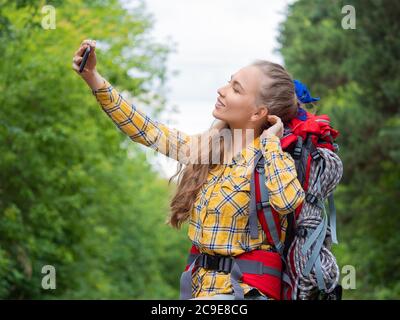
<point x="85" y="57"/>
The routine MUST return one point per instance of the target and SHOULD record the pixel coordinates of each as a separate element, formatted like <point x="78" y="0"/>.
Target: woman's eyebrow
<point x="237" y="82"/>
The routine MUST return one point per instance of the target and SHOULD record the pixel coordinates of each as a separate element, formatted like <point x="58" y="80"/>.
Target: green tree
<point x="73" y="193"/>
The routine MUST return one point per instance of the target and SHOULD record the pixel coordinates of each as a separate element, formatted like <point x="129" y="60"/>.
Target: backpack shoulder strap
<point x="260" y="207"/>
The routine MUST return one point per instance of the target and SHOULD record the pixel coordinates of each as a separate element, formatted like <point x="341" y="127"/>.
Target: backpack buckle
<point x="260" y="169"/>
<point x="297" y="152"/>
<point x="263" y="204"/>
<point x="260" y="166"/>
<point x="225" y="264"/>
<point x="297" y="148"/>
<point x="209" y="262"/>
<point x="315" y="155"/>
<point x="219" y="263"/>
<point x="311" y="198"/>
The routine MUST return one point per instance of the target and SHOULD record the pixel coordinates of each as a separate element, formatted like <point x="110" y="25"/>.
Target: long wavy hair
<point x="278" y="94"/>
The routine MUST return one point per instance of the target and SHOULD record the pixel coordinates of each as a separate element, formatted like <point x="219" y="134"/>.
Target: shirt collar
<point x="247" y="154"/>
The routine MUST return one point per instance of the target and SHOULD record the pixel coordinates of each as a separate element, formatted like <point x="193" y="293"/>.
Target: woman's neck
<point x="241" y="138"/>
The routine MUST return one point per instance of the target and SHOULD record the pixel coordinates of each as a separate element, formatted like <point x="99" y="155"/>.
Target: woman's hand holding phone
<point x="88" y="72"/>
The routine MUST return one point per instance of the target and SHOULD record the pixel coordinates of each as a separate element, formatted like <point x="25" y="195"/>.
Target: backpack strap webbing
<point x="269" y="221"/>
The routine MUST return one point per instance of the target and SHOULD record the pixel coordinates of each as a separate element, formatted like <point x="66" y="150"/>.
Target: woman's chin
<point x="218" y="113"/>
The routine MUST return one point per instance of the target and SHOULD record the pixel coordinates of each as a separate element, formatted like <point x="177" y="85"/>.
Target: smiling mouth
<point x="219" y="104"/>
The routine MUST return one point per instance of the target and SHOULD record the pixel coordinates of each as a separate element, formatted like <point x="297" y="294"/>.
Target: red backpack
<point x="309" y="234"/>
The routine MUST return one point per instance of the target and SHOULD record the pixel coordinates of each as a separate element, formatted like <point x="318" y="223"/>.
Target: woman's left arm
<point x="285" y="190"/>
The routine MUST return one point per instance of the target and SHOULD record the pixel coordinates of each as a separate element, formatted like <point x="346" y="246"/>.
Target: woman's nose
<point x="221" y="91"/>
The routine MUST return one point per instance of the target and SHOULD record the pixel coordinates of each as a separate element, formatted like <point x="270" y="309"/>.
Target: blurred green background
<point x="74" y="194"/>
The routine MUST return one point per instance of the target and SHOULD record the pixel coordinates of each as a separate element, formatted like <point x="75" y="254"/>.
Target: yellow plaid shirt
<point x="218" y="223"/>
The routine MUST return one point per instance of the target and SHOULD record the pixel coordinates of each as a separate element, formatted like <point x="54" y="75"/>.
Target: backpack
<point x="309" y="269"/>
<point x="302" y="267"/>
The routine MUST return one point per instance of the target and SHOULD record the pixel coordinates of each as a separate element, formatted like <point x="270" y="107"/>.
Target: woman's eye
<point x="237" y="91"/>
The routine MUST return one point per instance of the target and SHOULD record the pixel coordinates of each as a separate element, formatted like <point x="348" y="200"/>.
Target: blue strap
<point x="257" y="267"/>
<point x="317" y="238"/>
<point x="236" y="275"/>
<point x="318" y="273"/>
<point x="317" y="232"/>
<point x="186" y="281"/>
<point x="192" y="257"/>
<point x="312" y="238"/>
<point x="286" y="279"/>
<point x="269" y="218"/>
<point x="253" y="219"/>
<point x="332" y="219"/>
<point x="317" y="248"/>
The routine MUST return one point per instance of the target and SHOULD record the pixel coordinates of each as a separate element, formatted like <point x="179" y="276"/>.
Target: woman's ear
<point x="262" y="112"/>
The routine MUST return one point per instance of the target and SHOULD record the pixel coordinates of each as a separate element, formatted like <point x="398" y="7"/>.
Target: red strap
<point x="194" y="249"/>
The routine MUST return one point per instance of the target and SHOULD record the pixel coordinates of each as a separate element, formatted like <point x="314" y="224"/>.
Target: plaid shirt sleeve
<point x="285" y="190"/>
<point x="139" y="127"/>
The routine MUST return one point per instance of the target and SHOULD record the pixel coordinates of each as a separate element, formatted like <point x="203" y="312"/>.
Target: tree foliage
<point x="73" y="194"/>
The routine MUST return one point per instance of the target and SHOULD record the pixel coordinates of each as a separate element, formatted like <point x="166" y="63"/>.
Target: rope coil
<point x="316" y="270"/>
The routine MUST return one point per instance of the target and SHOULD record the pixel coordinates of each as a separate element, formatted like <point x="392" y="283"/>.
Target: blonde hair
<point x="277" y="92"/>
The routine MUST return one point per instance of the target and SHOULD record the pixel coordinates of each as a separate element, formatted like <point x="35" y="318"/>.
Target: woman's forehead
<point x="250" y="78"/>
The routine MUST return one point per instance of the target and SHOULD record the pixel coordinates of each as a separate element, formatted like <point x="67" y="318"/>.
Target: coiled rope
<point x="316" y="267"/>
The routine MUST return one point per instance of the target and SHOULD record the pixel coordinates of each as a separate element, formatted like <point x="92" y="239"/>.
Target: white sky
<point x="214" y="39"/>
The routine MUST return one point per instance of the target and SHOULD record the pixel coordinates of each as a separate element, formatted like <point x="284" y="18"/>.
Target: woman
<point x="213" y="196"/>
